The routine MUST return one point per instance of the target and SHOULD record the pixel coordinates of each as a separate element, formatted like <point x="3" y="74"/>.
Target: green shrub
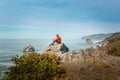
<point x="35" y="67"/>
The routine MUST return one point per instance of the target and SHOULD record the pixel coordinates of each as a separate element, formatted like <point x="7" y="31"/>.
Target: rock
<point x="57" y="48"/>
<point x="28" y="49"/>
<point x="64" y="55"/>
<point x="90" y="51"/>
<point x="77" y="55"/>
<point x="89" y="41"/>
<point x="98" y="44"/>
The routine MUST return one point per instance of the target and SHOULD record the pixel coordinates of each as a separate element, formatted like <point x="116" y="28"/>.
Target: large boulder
<point x="57" y="48"/>
<point x="64" y="55"/>
<point x="28" y="49"/>
<point x="77" y="55"/>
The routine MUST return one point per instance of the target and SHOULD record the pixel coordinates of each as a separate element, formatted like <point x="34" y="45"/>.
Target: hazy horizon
<point x="70" y="38"/>
<point x="43" y="19"/>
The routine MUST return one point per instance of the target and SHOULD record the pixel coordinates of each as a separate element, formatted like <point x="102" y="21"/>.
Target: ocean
<point x="13" y="47"/>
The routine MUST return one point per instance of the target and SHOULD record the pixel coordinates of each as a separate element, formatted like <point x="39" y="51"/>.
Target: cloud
<point x="27" y="18"/>
<point x="78" y="10"/>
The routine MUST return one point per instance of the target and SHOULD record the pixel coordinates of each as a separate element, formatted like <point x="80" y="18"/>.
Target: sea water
<point x="13" y="47"/>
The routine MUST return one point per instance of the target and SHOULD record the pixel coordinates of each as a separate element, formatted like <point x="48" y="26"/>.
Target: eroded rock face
<point x="63" y="53"/>
<point x="77" y="55"/>
<point x="90" y="51"/>
<point x="28" y="49"/>
<point x="57" y="48"/>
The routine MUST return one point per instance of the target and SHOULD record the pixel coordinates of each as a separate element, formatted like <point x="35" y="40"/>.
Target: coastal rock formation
<point x="57" y="48"/>
<point x="28" y="49"/>
<point x="110" y="39"/>
<point x="63" y="53"/>
<point x="77" y="55"/>
<point x="89" y="41"/>
<point x="111" y="45"/>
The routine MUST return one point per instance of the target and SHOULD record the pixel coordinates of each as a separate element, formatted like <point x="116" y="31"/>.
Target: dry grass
<point x="102" y="69"/>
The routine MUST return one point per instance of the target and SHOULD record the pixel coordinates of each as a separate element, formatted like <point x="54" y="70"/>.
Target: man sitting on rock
<point x="57" y="40"/>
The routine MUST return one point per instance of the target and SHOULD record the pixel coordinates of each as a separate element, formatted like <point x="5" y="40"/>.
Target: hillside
<point x="114" y="37"/>
<point x="111" y="45"/>
<point x="97" y="36"/>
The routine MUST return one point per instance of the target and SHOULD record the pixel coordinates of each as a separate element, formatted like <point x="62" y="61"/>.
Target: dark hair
<point x="57" y="34"/>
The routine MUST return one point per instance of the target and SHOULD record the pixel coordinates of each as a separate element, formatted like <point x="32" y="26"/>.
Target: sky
<point x="36" y="19"/>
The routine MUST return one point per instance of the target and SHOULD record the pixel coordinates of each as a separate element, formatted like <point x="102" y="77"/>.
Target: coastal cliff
<point x="97" y="36"/>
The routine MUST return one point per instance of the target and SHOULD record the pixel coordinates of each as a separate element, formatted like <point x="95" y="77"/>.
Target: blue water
<point x="12" y="47"/>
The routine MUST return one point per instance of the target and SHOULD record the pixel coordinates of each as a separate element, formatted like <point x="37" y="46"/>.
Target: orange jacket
<point x="58" y="38"/>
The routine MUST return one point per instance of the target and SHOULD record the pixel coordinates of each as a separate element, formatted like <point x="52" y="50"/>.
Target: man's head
<point x="57" y="35"/>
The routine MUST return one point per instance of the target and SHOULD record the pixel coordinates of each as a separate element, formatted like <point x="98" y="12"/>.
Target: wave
<point x="3" y="68"/>
<point x="7" y="64"/>
<point x="7" y="51"/>
<point x="3" y="50"/>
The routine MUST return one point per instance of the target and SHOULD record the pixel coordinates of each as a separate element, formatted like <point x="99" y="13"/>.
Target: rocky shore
<point x="89" y="64"/>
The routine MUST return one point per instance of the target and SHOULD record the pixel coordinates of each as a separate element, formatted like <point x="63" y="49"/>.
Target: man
<point x="58" y="39"/>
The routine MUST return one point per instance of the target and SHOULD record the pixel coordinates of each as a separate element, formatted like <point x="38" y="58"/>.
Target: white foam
<point x="7" y="51"/>
<point x="96" y="41"/>
<point x="6" y="64"/>
<point x="1" y="50"/>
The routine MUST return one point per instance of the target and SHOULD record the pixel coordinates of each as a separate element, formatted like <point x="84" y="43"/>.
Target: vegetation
<point x="113" y="48"/>
<point x="35" y="67"/>
<point x="113" y="38"/>
<point x="45" y="67"/>
<point x="90" y="71"/>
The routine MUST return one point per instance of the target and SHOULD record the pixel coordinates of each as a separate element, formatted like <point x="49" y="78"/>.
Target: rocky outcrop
<point x="89" y="41"/>
<point x="28" y="49"/>
<point x="111" y="45"/>
<point x="110" y="39"/>
<point x="77" y="55"/>
<point x="63" y="53"/>
<point x="57" y="48"/>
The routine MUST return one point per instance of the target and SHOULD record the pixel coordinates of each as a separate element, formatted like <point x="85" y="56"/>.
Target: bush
<point x="35" y="67"/>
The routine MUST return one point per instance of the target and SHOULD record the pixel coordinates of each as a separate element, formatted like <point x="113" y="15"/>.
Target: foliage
<point x="35" y="67"/>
